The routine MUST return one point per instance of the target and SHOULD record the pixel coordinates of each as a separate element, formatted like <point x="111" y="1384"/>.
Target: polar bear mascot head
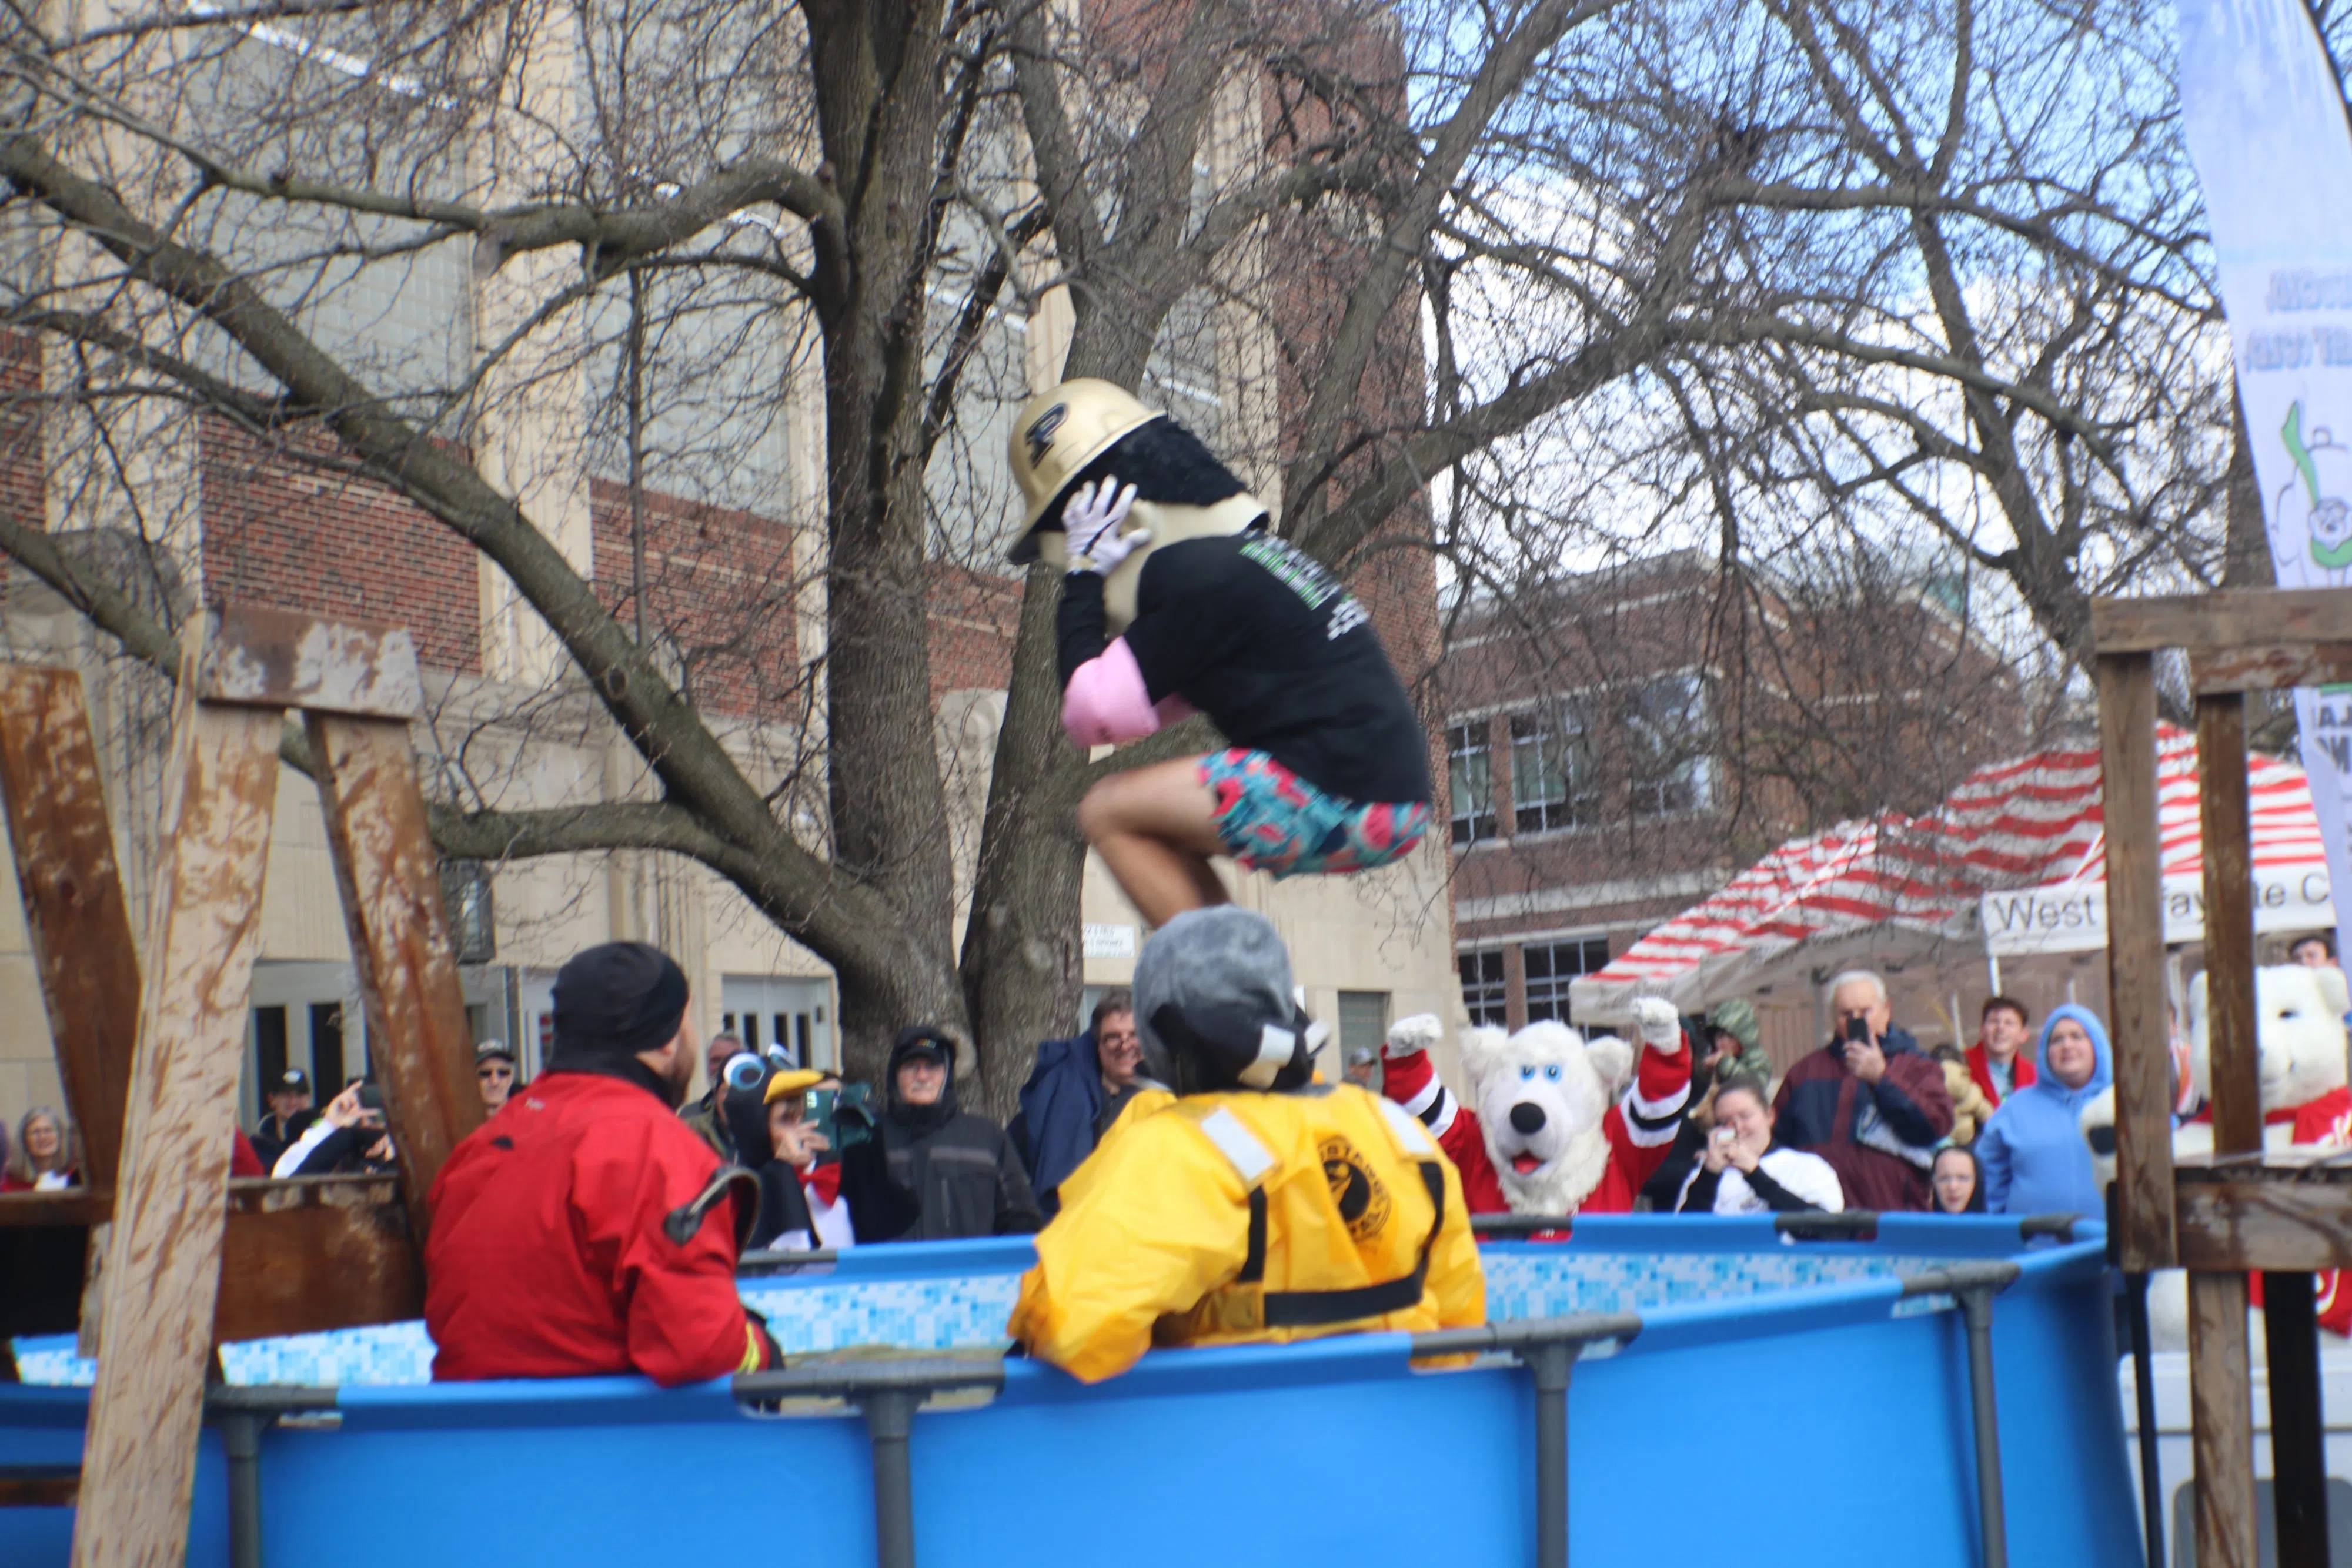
<point x="1540" y="1095"/>
<point x="2300" y="1055"/>
<point x="2299" y="1027"/>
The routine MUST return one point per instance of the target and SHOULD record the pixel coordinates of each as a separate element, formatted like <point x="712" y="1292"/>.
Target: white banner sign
<point x="1105" y="941"/>
<point x="2264" y="124"/>
<point x="2072" y="918"/>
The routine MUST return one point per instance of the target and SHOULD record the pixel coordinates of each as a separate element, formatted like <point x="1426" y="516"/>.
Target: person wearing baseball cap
<point x="551" y="1251"/>
<point x="1255" y="1206"/>
<point x="291" y="1115"/>
<point x="934" y="1170"/>
<point x="494" y="1075"/>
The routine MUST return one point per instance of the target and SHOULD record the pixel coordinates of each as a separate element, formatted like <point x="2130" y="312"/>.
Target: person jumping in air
<point x="1180" y="600"/>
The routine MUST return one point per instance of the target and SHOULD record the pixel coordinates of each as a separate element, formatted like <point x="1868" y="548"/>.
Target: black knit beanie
<point x="614" y="1001"/>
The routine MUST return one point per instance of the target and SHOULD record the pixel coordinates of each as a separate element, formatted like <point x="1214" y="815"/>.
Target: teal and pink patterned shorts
<point x="1272" y="819"/>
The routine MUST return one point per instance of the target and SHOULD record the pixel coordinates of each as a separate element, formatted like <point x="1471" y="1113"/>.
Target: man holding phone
<point x="1871" y="1102"/>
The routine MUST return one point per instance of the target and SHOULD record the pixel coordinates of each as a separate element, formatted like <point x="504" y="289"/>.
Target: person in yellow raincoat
<point x="1252" y="1206"/>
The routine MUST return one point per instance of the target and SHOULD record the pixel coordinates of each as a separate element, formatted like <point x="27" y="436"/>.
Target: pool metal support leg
<point x="1551" y="1364"/>
<point x="890" y="1421"/>
<point x="2151" y="1474"/>
<point x="241" y="1439"/>
<point x="2298" y="1434"/>
<point x="1976" y="1308"/>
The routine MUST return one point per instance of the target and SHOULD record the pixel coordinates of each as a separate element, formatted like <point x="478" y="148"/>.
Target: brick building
<point x="1622" y="742"/>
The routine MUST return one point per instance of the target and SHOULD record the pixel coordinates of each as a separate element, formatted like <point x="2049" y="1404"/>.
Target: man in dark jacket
<point x="1074" y="1094"/>
<point x="934" y="1173"/>
<point x="1874" y="1106"/>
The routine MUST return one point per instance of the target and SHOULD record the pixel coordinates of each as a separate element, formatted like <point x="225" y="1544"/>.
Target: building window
<point x="1472" y="774"/>
<point x="473" y="922"/>
<point x="1552" y="772"/>
<point x="1363" y="1020"/>
<point x="1667" y="738"/>
<point x="1551" y="965"/>
<point x="1485" y="994"/>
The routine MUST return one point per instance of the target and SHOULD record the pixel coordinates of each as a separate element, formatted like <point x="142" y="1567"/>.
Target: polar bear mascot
<point x="1559" y="1124"/>
<point x="2300" y="1056"/>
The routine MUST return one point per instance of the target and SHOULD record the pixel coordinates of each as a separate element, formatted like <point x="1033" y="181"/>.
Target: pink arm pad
<point x="1106" y="702"/>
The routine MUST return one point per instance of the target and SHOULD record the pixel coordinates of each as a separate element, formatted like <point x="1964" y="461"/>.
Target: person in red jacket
<point x="548" y="1255"/>
<point x="1998" y="1060"/>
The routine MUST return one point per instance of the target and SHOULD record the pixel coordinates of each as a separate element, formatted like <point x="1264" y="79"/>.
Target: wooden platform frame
<point x="192" y="1259"/>
<point x="2239" y="1211"/>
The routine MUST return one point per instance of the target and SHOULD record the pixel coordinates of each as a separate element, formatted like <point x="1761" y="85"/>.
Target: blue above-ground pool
<point x="1781" y="1402"/>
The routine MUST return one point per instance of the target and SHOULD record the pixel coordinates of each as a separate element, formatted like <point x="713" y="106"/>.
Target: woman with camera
<point x="1743" y="1171"/>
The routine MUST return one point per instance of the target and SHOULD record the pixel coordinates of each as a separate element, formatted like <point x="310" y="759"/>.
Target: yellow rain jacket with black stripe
<point x="1250" y="1218"/>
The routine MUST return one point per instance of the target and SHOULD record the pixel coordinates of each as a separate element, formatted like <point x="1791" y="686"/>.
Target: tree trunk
<point x="1023" y="958"/>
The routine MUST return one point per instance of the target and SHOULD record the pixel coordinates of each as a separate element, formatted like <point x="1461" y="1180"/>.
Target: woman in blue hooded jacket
<point x="2034" y="1156"/>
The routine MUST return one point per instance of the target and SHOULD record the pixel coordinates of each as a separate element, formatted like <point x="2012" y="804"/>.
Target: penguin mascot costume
<point x="1178" y="599"/>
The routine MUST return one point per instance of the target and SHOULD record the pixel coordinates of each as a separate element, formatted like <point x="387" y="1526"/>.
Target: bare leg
<point x="1156" y="829"/>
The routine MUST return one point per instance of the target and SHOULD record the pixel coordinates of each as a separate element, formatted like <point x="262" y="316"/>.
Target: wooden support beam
<point x="2221" y="1420"/>
<point x="163" y="1263"/>
<point x="285" y="659"/>
<point x="391" y="882"/>
<point x="2272" y="669"/>
<point x="55" y="797"/>
<point x="2265" y="1220"/>
<point x="2226" y="822"/>
<point x="2227" y="618"/>
<point x="316" y="1253"/>
<point x="2136" y="989"/>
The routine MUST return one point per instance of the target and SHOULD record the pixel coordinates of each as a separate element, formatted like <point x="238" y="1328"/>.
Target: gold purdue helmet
<point x="1056" y="435"/>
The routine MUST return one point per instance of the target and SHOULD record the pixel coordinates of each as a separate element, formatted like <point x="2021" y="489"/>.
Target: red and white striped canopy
<point x="1903" y="883"/>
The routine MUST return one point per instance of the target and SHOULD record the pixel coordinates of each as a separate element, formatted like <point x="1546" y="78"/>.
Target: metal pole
<point x="2298" y="1457"/>
<point x="889" y="1419"/>
<point x="241" y="1439"/>
<point x="1976" y="1306"/>
<point x="2151" y="1474"/>
<point x="1551" y="1364"/>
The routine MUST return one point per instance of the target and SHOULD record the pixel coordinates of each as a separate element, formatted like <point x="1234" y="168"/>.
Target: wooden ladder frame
<point x="191" y="1258"/>
<point x="2238" y="1210"/>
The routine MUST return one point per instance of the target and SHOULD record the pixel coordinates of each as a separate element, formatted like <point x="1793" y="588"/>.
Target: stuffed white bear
<point x="1558" y="1125"/>
<point x="2302" y="1065"/>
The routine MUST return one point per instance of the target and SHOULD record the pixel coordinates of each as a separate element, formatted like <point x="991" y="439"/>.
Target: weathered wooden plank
<point x="2225" y="820"/>
<point x="2270" y="669"/>
<point x="41" y="1486"/>
<point x="2136" y="992"/>
<point x="75" y="1205"/>
<point x="2221" y="1420"/>
<point x="55" y="797"/>
<point x="162" y="1264"/>
<point x="2253" y="1222"/>
<point x="316" y="1253"/>
<point x="2227" y="618"/>
<point x="390" y="882"/>
<point x="284" y="659"/>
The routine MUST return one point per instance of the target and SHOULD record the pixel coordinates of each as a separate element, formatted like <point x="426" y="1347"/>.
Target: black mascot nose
<point x="1527" y="1116"/>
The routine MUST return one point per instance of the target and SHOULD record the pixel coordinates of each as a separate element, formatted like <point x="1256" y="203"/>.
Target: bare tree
<point x="679" y="201"/>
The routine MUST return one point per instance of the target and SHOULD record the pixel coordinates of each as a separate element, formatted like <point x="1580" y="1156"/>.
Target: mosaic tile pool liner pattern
<point x="969" y="1311"/>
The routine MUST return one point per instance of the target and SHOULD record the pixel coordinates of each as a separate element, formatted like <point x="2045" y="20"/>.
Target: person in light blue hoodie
<point x="2035" y="1158"/>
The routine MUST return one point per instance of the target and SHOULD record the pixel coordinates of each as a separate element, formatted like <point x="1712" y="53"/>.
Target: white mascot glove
<point x="1409" y="1036"/>
<point x="1661" y="1027"/>
<point x="1090" y="521"/>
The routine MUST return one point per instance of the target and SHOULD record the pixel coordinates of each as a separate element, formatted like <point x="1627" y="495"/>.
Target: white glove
<point x="1661" y="1027"/>
<point x="1090" y="520"/>
<point x="1410" y="1035"/>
